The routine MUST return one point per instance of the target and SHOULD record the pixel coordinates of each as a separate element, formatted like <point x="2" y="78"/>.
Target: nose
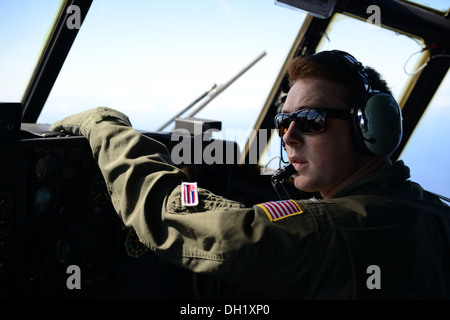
<point x="293" y="137"/>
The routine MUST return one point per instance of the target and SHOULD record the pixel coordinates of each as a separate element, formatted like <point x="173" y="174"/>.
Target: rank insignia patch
<point x="189" y="194"/>
<point x="277" y="210"/>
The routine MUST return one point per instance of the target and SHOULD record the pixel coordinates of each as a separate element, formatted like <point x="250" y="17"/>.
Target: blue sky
<point x="153" y="58"/>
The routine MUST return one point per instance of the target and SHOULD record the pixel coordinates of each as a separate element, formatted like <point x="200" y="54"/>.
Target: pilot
<point x="361" y="239"/>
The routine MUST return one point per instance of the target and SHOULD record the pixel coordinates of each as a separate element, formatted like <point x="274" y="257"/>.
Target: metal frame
<point x="51" y="61"/>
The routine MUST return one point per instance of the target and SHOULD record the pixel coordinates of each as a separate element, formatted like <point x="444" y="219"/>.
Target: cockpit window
<point x="438" y="5"/>
<point x="151" y="59"/>
<point x="427" y="152"/>
<point x="396" y="56"/>
<point x="24" y="26"/>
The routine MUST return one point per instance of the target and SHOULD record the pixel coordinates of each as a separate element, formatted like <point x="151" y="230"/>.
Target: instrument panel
<point x="55" y="213"/>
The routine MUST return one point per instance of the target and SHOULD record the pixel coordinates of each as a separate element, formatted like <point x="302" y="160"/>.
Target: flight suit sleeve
<point x="217" y="235"/>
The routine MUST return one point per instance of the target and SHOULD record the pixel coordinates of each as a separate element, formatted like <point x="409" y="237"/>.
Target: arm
<point x="217" y="236"/>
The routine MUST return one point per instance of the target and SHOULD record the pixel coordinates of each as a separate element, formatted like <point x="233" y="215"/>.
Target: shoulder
<point x="278" y="210"/>
<point x="347" y="211"/>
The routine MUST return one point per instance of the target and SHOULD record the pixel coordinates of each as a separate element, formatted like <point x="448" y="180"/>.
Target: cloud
<point x="225" y="6"/>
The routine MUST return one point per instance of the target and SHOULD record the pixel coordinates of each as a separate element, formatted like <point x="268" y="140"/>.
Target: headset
<point x="377" y="117"/>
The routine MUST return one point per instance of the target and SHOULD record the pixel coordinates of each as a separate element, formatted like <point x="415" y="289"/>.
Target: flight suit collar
<point x="380" y="180"/>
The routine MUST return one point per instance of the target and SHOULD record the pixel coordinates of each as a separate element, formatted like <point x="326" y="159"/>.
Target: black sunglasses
<point x="308" y="120"/>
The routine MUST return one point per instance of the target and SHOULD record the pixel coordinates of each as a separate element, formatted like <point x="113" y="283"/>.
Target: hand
<point x="83" y="122"/>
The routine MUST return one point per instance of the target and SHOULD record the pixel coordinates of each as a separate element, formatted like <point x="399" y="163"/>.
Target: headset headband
<point x="344" y="63"/>
<point x="358" y="67"/>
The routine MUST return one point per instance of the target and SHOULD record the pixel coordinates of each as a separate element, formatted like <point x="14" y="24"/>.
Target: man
<point x="355" y="243"/>
<point x="328" y="161"/>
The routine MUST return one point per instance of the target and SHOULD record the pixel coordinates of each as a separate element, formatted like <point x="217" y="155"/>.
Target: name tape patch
<point x="277" y="210"/>
<point x="189" y="193"/>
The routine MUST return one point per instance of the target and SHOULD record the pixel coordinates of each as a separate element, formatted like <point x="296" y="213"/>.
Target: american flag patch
<point x="277" y="210"/>
<point x="189" y="193"/>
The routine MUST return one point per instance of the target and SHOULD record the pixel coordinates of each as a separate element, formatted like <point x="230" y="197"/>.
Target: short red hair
<point x="303" y="67"/>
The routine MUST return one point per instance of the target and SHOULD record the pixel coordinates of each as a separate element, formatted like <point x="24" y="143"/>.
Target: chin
<point x="304" y="186"/>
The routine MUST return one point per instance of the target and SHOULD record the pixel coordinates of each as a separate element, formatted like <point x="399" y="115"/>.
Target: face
<point x="324" y="161"/>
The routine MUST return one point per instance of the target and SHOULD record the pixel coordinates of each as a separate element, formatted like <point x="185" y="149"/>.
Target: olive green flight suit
<point x="355" y="246"/>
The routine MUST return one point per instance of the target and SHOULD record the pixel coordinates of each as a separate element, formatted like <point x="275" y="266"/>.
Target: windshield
<point x="151" y="59"/>
<point x="24" y="26"/>
<point x="426" y="152"/>
<point x="439" y="5"/>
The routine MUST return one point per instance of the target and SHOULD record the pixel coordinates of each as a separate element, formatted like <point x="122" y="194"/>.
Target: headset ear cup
<point x="379" y="125"/>
<point x="358" y="124"/>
